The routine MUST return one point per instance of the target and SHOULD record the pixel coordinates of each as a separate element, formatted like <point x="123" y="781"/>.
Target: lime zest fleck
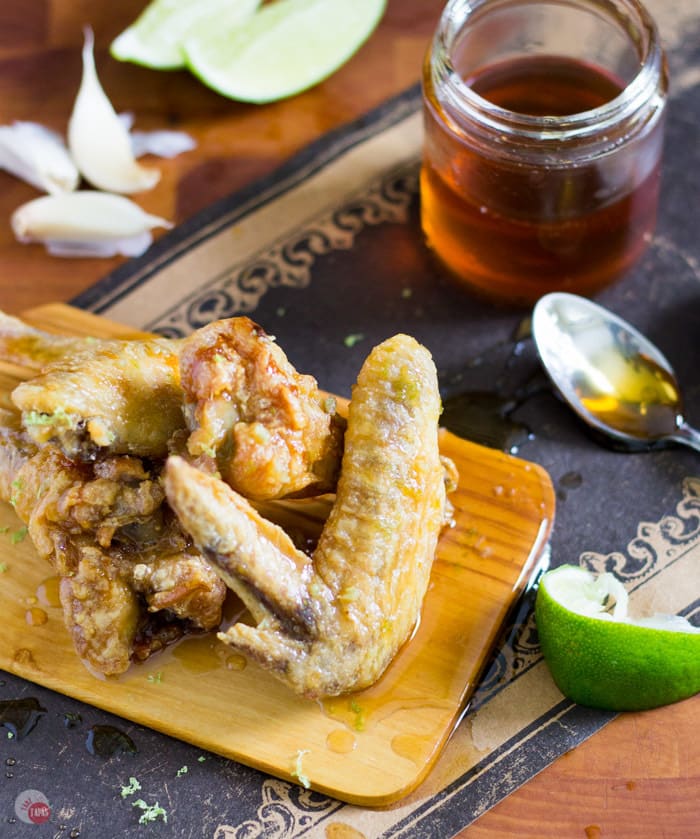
<point x="17" y="486"/>
<point x="183" y="770"/>
<point x="130" y="788"/>
<point x="360" y="721"/>
<point x="151" y="812"/>
<point x="297" y="772"/>
<point x="42" y="418"/>
<point x="201" y="759"/>
<point x="19" y="535"/>
<point x="3" y="567"/>
<point x="155" y="678"/>
<point x="353" y="338"/>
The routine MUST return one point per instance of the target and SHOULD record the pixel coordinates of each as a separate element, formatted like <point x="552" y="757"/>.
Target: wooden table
<point x="639" y="777"/>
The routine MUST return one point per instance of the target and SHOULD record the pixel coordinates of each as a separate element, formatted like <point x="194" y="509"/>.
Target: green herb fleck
<point x="4" y="529"/>
<point x="359" y="712"/>
<point x="3" y="567"/>
<point x="130" y="788"/>
<point x="155" y="678"/>
<point x="42" y="418"/>
<point x="10" y="735"/>
<point x="151" y="812"/>
<point x="17" y="486"/>
<point x="201" y="759"/>
<point x="297" y="771"/>
<point x="19" y="535"/>
<point x="353" y="338"/>
<point x="183" y="770"/>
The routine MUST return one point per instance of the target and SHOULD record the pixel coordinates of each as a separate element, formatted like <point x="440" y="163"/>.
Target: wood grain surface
<point x="639" y="777"/>
<point x="503" y="514"/>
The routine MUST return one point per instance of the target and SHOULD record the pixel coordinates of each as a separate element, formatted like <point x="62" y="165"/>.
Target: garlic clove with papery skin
<point x="38" y="156"/>
<point x="86" y="223"/>
<point x="98" y="140"/>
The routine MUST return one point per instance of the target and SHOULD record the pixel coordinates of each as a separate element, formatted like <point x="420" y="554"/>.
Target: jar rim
<point x="634" y="97"/>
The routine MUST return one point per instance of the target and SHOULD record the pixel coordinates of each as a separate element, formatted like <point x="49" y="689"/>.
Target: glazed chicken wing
<point x="268" y="428"/>
<point x="251" y="416"/>
<point x="130" y="580"/>
<point x="95" y="397"/>
<point x="331" y="623"/>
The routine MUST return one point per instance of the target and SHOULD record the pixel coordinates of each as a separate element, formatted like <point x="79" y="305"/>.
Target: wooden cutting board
<point x="370" y="748"/>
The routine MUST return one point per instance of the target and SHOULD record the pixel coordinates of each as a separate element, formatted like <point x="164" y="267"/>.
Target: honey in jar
<point x="543" y="138"/>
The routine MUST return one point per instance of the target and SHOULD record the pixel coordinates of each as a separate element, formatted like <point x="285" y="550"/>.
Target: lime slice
<point x="285" y="48"/>
<point x="155" y="38"/>
<point x="603" y="658"/>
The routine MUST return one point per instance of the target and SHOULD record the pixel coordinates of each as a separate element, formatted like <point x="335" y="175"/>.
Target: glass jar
<point x="543" y="140"/>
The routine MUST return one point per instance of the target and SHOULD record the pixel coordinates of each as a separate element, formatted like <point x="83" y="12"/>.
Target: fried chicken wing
<point x="101" y="611"/>
<point x="130" y="579"/>
<point x="110" y="397"/>
<point x="268" y="428"/>
<point x="331" y="623"/>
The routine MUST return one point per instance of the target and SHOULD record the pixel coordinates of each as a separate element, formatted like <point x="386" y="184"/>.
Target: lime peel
<point x="156" y="36"/>
<point x="285" y="48"/>
<point x="602" y="658"/>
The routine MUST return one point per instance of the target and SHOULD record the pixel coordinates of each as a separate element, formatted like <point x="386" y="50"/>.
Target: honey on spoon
<point x="612" y="376"/>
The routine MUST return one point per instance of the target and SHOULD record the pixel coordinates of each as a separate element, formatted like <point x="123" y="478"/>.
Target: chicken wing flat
<point x="268" y="428"/>
<point x="331" y="623"/>
<point x="106" y="397"/>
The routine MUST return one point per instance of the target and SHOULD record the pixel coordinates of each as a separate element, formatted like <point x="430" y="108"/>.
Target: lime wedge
<point x="603" y="659"/>
<point x="286" y="47"/>
<point x="155" y="38"/>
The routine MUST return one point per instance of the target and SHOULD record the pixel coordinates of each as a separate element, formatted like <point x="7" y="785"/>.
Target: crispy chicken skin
<point x="93" y="396"/>
<point x="106" y="397"/>
<point x="251" y="416"/>
<point x="331" y="623"/>
<point x="268" y="428"/>
<point x="130" y="580"/>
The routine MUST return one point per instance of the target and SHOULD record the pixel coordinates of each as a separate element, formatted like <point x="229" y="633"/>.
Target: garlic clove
<point x="99" y="141"/>
<point x="86" y="223"/>
<point x="128" y="246"/>
<point x="38" y="156"/>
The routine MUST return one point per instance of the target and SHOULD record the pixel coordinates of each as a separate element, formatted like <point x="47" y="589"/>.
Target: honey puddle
<point x="46" y="595"/>
<point x="35" y="616"/>
<point x="47" y="592"/>
<point x="200" y="654"/>
<point x="341" y="741"/>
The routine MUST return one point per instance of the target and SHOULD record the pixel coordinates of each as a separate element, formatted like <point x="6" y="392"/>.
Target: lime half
<point x="287" y="47"/>
<point x="600" y="657"/>
<point x="155" y="38"/>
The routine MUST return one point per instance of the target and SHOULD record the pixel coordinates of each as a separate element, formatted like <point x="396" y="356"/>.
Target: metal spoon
<point x="611" y="375"/>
